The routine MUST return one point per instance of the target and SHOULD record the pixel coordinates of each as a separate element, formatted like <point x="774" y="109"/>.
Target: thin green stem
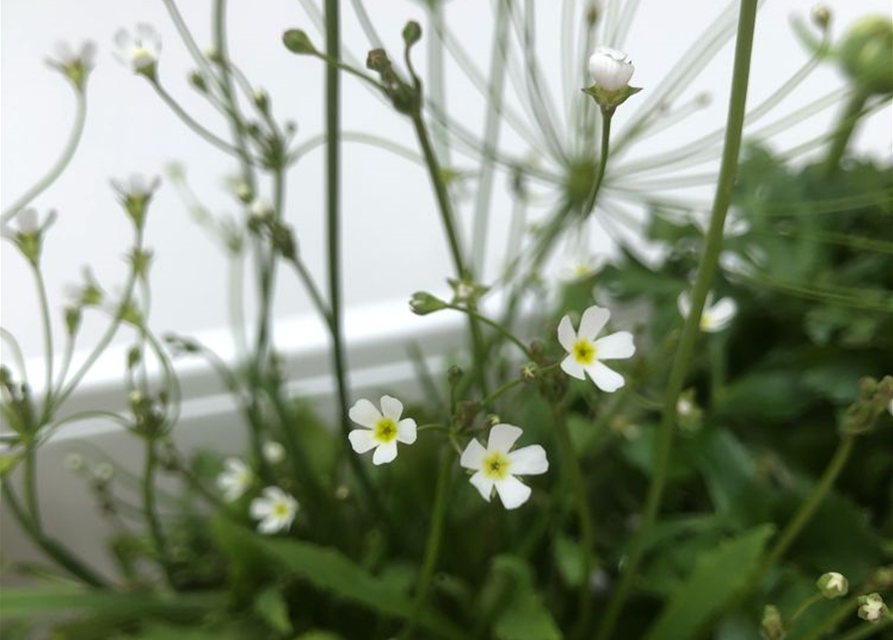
<point x="17" y="354"/>
<point x="805" y="606"/>
<point x="313" y="291"/>
<point x="193" y="124"/>
<point x="845" y="129"/>
<point x="74" y="138"/>
<point x="575" y="477"/>
<point x="867" y="630"/>
<point x="471" y="313"/>
<point x="47" y="325"/>
<point x="31" y="496"/>
<point x="333" y="233"/>
<point x="149" y="506"/>
<point x="432" y="546"/>
<point x="602" y="163"/>
<point x="691" y="328"/>
<point x="60" y="554"/>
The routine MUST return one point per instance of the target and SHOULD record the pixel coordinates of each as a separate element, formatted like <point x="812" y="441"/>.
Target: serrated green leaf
<point x="716" y="578"/>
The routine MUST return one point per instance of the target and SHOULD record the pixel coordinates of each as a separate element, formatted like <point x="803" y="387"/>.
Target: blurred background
<point x="392" y="238"/>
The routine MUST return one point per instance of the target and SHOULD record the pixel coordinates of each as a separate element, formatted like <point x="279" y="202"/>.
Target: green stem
<point x="333" y="232"/>
<point x="432" y="546"/>
<point x="226" y="90"/>
<point x="807" y="509"/>
<point x="804" y="607"/>
<point x="56" y="170"/>
<point x="691" y="328"/>
<point x="845" y="129"/>
<point x="471" y="313"/>
<point x="61" y="555"/>
<point x="31" y="483"/>
<point x="867" y="629"/>
<point x="46" y="321"/>
<point x="602" y="163"/>
<point x="575" y="477"/>
<point x="149" y="506"/>
<point x="190" y="122"/>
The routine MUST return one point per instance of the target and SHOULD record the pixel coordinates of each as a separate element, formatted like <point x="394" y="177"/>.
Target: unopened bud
<point x="261" y="99"/>
<point x="821" y="16"/>
<point x="771" y="627"/>
<point x="197" y="80"/>
<point x="297" y="41"/>
<point x="872" y="607"/>
<point x="412" y="33"/>
<point x="423" y="303"/>
<point x="833" y="585"/>
<point x="378" y="60"/>
<point x="72" y="320"/>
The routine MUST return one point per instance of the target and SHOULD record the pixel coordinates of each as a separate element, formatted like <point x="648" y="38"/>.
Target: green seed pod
<point x="866" y="54"/>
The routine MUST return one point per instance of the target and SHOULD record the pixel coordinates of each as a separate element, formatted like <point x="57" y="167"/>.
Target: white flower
<point x="235" y="479"/>
<point x="67" y="56"/>
<point x="383" y="429"/>
<point x="715" y="317"/>
<point x="611" y="69"/>
<point x="73" y="462"/>
<point x="28" y="221"/>
<point x="260" y="208"/>
<point x="583" y="266"/>
<point x="871" y="607"/>
<point x="139" y="50"/>
<point x="275" y="509"/>
<point x="496" y="467"/>
<point x="136" y="186"/>
<point x="104" y="471"/>
<point x="273" y="452"/>
<point x="585" y="353"/>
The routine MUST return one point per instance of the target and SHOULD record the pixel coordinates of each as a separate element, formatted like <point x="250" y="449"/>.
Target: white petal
<point x="270" y="524"/>
<point x="362" y="440"/>
<point x="684" y="304"/>
<point x="512" y="492"/>
<point x="406" y="431"/>
<point x="483" y="484"/>
<point x="473" y="456"/>
<point x="260" y="508"/>
<point x="721" y="314"/>
<point x="364" y="413"/>
<point x="604" y="378"/>
<point x="123" y="41"/>
<point x="616" y="345"/>
<point x="528" y="461"/>
<point x="502" y="437"/>
<point x="385" y="453"/>
<point x="573" y="368"/>
<point x="391" y="408"/>
<point x="566" y="334"/>
<point x="148" y="35"/>
<point x="594" y="319"/>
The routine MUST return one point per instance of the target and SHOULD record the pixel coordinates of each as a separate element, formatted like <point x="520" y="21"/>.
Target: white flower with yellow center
<point x="275" y="509"/>
<point x="585" y="353"/>
<point x="138" y="50"/>
<point x="496" y="466"/>
<point x="715" y="317"/>
<point x="382" y="429"/>
<point x="235" y="479"/>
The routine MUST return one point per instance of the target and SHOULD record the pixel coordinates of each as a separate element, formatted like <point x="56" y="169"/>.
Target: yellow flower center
<point x="496" y="465"/>
<point x="706" y="321"/>
<point x="385" y="430"/>
<point x="584" y="351"/>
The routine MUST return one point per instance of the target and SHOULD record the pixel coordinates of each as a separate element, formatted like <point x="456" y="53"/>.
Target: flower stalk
<point x="691" y="327"/>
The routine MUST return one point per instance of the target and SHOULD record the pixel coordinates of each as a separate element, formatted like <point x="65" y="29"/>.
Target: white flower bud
<point x="104" y="471"/>
<point x="28" y="221"/>
<point x="274" y="452"/>
<point x="73" y="462"/>
<point x="833" y="585"/>
<point x="872" y="607"/>
<point x="611" y="69"/>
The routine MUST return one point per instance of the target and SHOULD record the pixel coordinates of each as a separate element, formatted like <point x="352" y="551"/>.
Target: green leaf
<point x="19" y="603"/>
<point x="271" y="607"/>
<point x="329" y="570"/>
<point x="524" y="617"/>
<point x="716" y="578"/>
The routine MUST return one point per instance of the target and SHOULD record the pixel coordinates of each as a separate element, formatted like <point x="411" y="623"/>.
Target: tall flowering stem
<point x="691" y="328"/>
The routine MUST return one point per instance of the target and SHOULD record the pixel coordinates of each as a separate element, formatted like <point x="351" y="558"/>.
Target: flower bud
<point x="611" y="69"/>
<point x="72" y="320"/>
<point x="197" y="80"/>
<point x="833" y="585"/>
<point x="261" y="100"/>
<point x="872" y="607"/>
<point x="821" y="16"/>
<point x="454" y="375"/>
<point x="423" y="303"/>
<point x="377" y="60"/>
<point x="412" y="33"/>
<point x="297" y="41"/>
<point x="866" y="51"/>
<point x="771" y="627"/>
